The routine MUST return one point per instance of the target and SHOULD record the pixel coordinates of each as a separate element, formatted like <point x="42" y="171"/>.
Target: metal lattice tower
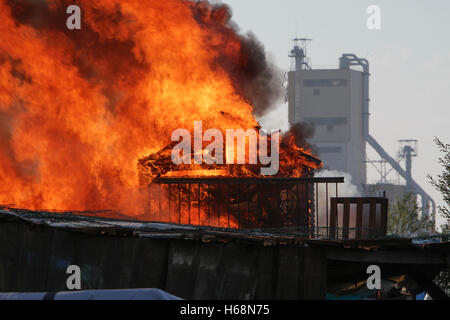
<point x="299" y="53"/>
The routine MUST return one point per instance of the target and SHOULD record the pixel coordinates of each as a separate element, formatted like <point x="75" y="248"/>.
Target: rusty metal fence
<point x="307" y="206"/>
<point x="243" y="203"/>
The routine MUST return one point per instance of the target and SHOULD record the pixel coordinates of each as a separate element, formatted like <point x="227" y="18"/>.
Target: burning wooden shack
<point x="232" y="195"/>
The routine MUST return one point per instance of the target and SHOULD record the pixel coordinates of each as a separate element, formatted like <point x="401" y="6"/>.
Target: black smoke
<point x="302" y="132"/>
<point x="261" y="79"/>
<point x="255" y="77"/>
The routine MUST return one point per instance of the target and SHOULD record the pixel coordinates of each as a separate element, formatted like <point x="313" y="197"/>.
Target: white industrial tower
<point x="331" y="101"/>
<point x="336" y="103"/>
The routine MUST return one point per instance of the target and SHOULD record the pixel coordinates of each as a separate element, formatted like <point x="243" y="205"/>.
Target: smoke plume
<point x="255" y="76"/>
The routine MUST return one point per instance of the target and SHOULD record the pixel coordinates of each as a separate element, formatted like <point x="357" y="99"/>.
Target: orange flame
<point x="79" y="108"/>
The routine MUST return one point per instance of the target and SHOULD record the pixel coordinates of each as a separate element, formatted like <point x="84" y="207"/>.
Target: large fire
<point x="80" y="108"/>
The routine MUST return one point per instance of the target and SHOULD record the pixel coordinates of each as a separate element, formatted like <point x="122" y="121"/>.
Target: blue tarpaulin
<point x="128" y="294"/>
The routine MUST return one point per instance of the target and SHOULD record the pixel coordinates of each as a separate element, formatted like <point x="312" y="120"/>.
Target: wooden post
<point x="373" y="218"/>
<point x="359" y="218"/>
<point x="383" y="217"/>
<point x="333" y="218"/>
<point x="346" y="219"/>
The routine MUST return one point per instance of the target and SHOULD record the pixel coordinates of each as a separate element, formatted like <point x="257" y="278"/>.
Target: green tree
<point x="404" y="219"/>
<point x="442" y="182"/>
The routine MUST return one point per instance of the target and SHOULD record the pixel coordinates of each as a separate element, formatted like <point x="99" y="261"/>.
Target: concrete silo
<point x="336" y="103"/>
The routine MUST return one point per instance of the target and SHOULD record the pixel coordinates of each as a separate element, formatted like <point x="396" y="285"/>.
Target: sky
<point x="409" y="60"/>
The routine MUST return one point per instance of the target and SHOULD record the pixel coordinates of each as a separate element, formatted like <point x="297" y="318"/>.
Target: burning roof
<point x="295" y="162"/>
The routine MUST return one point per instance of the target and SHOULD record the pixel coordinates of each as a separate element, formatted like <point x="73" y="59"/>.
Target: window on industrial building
<point x="327" y="121"/>
<point x="330" y="128"/>
<point x="325" y="83"/>
<point x="316" y="92"/>
<point x="323" y="150"/>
